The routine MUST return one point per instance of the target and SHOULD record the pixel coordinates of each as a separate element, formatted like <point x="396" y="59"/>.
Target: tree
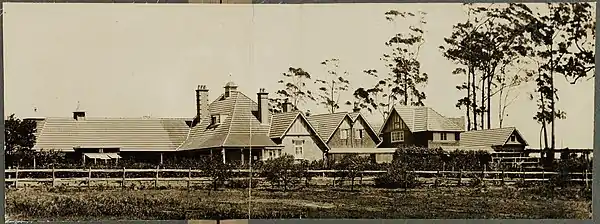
<point x="19" y="139"/>
<point x="352" y="166"/>
<point x="217" y="171"/>
<point x="283" y="171"/>
<point x="332" y="87"/>
<point x="402" y="81"/>
<point x="489" y="43"/>
<point x="378" y="98"/>
<point x="403" y="62"/>
<point x="293" y="88"/>
<point x="563" y="38"/>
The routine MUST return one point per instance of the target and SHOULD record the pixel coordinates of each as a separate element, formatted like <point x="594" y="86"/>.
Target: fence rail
<point x="458" y="176"/>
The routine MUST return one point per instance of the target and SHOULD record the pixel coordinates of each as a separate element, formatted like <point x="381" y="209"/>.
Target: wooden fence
<point x="458" y="176"/>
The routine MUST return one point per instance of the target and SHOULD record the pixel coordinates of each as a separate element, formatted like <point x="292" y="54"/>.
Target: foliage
<point x="352" y="166"/>
<point x="217" y="171"/>
<point x="562" y="40"/>
<point x="293" y="89"/>
<point x="284" y="171"/>
<point x="486" y="48"/>
<point x="19" y="138"/>
<point x="419" y="158"/>
<point x="398" y="175"/>
<point x="401" y="84"/>
<point x="332" y="87"/>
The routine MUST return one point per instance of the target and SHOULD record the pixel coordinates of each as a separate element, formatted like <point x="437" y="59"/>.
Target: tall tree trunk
<point x="474" y="103"/>
<point x="483" y="109"/>
<point x="405" y="89"/>
<point x="469" y="100"/>
<point x="489" y="101"/>
<point x="501" y="106"/>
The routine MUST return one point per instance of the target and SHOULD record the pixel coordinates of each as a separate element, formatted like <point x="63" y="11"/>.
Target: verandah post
<point x="156" y="179"/>
<point x="53" y="177"/>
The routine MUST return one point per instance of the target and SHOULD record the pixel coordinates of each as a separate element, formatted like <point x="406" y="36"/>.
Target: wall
<point x="386" y="137"/>
<point x="436" y="140"/>
<point x="366" y="141"/>
<point x="310" y="149"/>
<point x="299" y="131"/>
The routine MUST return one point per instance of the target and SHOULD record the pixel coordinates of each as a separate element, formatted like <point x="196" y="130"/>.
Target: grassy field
<point x="169" y="204"/>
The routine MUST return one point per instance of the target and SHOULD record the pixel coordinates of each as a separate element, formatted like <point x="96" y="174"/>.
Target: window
<point x="513" y="138"/>
<point x="215" y="119"/>
<point x="397" y="136"/>
<point x="344" y="134"/>
<point x="298" y="148"/>
<point x="271" y="155"/>
<point x="358" y="134"/>
<point x="444" y="136"/>
<point x="397" y="123"/>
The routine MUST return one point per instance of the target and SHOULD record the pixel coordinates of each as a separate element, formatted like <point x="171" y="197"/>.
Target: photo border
<point x="596" y="145"/>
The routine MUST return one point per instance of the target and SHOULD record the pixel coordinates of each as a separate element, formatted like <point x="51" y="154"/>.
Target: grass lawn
<point x="425" y="203"/>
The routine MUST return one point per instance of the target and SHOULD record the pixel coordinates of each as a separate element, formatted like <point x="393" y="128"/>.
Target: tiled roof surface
<point x="280" y="123"/>
<point x="235" y="130"/>
<point x="487" y="137"/>
<point x="326" y="124"/>
<point x="145" y="134"/>
<point x="354" y="115"/>
<point x="425" y="119"/>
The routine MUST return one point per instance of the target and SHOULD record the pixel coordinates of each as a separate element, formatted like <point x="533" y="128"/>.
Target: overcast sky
<point x="126" y="60"/>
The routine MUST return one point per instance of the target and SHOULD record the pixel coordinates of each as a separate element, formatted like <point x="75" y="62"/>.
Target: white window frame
<point x="399" y="133"/>
<point x="344" y="134"/>
<point x="443" y="136"/>
<point x="358" y="133"/>
<point x="298" y="146"/>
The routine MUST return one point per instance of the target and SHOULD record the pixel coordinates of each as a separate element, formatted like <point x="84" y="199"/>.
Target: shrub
<point x="397" y="176"/>
<point x="351" y="166"/>
<point x="217" y="171"/>
<point x="284" y="171"/>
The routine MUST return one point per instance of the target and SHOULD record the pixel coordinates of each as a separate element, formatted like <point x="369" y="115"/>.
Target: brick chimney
<point x="201" y="103"/>
<point x="229" y="88"/>
<point x="356" y="107"/>
<point x="79" y="115"/>
<point x="263" y="106"/>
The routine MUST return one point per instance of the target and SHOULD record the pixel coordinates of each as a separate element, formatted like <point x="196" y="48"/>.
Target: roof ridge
<point x="231" y="119"/>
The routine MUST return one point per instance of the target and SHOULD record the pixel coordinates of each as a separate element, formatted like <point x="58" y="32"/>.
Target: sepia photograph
<point x="223" y="112"/>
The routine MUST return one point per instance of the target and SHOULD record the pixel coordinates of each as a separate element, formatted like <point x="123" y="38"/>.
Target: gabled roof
<point x="129" y="134"/>
<point x="372" y="131"/>
<point x="419" y="119"/>
<point x="240" y="128"/>
<point x="327" y="124"/>
<point x="282" y="122"/>
<point x="489" y="137"/>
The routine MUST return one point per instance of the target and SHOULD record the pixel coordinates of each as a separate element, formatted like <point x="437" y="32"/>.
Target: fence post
<point x="502" y="177"/>
<point x="585" y="179"/>
<point x="459" y="177"/>
<point x="156" y="180"/>
<point x="17" y="178"/>
<point x="89" y="180"/>
<point x="437" y="175"/>
<point x="123" y="180"/>
<point x="53" y="177"/>
<point x="189" y="178"/>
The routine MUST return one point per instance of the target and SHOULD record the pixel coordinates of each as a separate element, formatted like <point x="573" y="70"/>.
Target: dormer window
<point x="215" y="119"/>
<point x="513" y="138"/>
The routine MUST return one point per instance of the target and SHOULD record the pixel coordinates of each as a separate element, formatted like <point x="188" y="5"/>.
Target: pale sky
<point x="133" y="60"/>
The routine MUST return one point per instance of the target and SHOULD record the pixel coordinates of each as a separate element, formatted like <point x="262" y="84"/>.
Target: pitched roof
<point x="240" y="128"/>
<point x="129" y="134"/>
<point x="326" y="124"/>
<point x="418" y="119"/>
<point x="373" y="132"/>
<point x="488" y="137"/>
<point x="281" y="122"/>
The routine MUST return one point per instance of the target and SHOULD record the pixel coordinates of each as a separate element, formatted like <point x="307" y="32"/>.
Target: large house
<point x="349" y="133"/>
<point x="419" y="126"/>
<point x="233" y="126"/>
<point x="239" y="129"/>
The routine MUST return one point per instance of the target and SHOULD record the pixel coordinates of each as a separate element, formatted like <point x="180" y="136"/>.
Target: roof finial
<point x="78" y="104"/>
